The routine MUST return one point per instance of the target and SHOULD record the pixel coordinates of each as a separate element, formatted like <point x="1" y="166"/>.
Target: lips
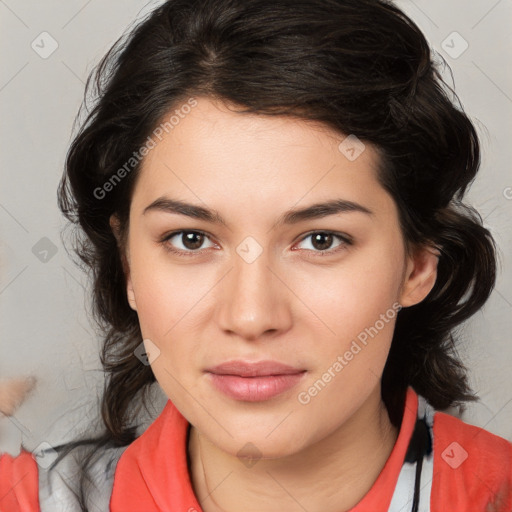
<point x="256" y="369"/>
<point x="254" y="381"/>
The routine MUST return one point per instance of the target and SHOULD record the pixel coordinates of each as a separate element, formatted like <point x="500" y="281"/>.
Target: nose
<point x="254" y="301"/>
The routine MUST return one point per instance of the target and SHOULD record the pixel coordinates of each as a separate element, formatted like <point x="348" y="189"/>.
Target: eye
<point x="321" y="241"/>
<point x="191" y="242"/>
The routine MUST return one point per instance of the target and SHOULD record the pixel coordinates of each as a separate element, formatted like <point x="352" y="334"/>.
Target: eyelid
<point x="346" y="240"/>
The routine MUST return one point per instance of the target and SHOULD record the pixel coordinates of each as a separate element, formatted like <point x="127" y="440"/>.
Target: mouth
<point x="256" y="381"/>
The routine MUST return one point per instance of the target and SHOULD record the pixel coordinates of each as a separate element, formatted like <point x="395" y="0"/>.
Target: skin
<point x="13" y="392"/>
<point x="296" y="306"/>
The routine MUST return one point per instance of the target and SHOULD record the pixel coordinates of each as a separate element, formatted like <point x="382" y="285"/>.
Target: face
<point x="245" y="278"/>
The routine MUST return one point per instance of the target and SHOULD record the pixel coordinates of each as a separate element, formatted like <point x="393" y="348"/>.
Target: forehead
<point x="213" y="153"/>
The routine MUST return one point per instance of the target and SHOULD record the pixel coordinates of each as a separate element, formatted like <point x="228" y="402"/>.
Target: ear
<point x="420" y="275"/>
<point x="115" y="225"/>
<point x="130" y="293"/>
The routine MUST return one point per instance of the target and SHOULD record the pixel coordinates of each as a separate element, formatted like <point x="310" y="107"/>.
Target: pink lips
<point x="254" y="382"/>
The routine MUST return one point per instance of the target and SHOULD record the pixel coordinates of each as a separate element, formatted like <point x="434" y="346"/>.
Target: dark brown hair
<point x="361" y="67"/>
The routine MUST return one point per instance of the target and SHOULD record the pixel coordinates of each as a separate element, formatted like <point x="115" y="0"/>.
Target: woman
<point x="269" y="197"/>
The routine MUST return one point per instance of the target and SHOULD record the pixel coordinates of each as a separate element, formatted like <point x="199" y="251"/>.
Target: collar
<point x="152" y="473"/>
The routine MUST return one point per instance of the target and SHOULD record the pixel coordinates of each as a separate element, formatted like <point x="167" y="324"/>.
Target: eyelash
<point x="345" y="239"/>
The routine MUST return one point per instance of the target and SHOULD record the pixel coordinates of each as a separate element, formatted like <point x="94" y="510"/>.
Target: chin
<point x="250" y="445"/>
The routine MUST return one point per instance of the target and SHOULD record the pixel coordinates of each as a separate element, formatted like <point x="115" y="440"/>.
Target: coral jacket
<point x="464" y="469"/>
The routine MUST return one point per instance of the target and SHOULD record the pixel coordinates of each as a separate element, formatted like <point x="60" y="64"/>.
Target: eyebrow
<point x="293" y="216"/>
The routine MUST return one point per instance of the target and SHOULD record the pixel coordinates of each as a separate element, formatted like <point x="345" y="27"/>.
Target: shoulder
<point x="28" y="482"/>
<point x="60" y="486"/>
<point x="156" y="460"/>
<point x="19" y="482"/>
<point x="471" y="465"/>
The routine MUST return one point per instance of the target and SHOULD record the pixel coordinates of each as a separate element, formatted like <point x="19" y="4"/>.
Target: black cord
<point x="419" y="446"/>
<point x="416" y="500"/>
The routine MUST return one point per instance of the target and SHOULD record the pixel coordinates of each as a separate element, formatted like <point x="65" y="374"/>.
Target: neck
<point x="334" y="474"/>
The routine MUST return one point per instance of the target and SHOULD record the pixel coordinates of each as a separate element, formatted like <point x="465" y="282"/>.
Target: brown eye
<point x="192" y="240"/>
<point x="185" y="242"/>
<point x="322" y="242"/>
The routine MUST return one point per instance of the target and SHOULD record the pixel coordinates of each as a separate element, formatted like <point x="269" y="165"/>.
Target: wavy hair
<point x="361" y="67"/>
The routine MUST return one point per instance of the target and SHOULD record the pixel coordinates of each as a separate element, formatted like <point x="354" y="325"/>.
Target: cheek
<point x="167" y="308"/>
<point x="173" y="304"/>
<point x="351" y="297"/>
<point x="166" y="294"/>
<point x="359" y="306"/>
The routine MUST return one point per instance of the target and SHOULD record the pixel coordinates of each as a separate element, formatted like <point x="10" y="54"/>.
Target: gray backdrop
<point x="48" y="48"/>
